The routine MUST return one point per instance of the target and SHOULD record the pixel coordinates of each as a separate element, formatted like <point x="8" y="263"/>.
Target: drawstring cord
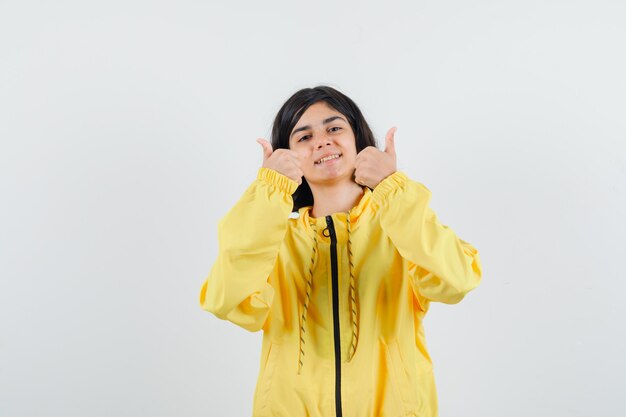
<point x="353" y="309"/>
<point x="309" y="288"/>
<point x="352" y="298"/>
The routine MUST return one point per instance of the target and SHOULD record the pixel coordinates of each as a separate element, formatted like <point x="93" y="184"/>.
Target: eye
<point x="335" y="129"/>
<point x="305" y="137"/>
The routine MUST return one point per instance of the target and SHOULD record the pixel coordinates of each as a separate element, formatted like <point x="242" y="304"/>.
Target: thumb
<point x="390" y="145"/>
<point x="267" y="148"/>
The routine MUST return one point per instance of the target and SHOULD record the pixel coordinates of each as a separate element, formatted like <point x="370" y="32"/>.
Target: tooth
<point x="328" y="158"/>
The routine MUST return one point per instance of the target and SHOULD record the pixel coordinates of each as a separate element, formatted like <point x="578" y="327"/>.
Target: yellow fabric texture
<point x="402" y="259"/>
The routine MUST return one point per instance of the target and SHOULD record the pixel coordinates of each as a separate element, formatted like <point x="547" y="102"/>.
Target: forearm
<point x="444" y="267"/>
<point x="249" y="238"/>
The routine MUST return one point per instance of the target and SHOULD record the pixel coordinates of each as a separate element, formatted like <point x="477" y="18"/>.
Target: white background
<point x="128" y="130"/>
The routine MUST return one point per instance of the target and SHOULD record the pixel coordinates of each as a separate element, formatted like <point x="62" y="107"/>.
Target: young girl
<point x="336" y="256"/>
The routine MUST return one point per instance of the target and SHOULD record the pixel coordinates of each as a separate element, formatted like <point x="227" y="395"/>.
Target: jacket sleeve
<point x="442" y="267"/>
<point x="249" y="238"/>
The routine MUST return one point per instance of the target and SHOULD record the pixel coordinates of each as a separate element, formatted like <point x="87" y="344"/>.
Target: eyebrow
<point x="325" y="122"/>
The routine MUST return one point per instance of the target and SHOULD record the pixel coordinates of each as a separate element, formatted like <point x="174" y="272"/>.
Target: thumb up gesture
<point x="372" y="165"/>
<point x="283" y="161"/>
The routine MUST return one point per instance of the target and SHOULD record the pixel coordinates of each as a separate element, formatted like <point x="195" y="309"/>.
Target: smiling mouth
<point x="328" y="158"/>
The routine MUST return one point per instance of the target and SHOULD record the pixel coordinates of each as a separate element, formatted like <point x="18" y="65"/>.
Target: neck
<point x="334" y="198"/>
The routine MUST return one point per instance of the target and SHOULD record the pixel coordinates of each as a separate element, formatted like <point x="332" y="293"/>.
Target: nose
<point x="321" y="141"/>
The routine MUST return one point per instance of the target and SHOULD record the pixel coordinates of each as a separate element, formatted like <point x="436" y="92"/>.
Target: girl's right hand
<point x="283" y="161"/>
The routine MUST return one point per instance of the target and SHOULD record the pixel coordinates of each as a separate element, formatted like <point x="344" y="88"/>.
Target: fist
<point x="372" y="165"/>
<point x="283" y="161"/>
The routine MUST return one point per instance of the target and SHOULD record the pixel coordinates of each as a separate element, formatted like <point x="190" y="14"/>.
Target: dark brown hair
<point x="294" y="108"/>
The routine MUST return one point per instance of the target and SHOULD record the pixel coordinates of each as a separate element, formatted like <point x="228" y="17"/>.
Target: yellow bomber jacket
<point x="340" y="298"/>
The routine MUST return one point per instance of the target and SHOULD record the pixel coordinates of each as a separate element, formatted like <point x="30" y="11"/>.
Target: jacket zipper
<point x="335" y="292"/>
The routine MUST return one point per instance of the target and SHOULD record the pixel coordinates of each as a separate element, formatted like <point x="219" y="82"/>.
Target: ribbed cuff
<point x="395" y="181"/>
<point x="275" y="178"/>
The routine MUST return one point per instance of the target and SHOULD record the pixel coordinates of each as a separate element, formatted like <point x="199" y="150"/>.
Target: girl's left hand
<point x="372" y="165"/>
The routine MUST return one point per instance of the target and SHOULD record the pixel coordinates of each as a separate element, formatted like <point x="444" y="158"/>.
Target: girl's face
<point x="325" y="144"/>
